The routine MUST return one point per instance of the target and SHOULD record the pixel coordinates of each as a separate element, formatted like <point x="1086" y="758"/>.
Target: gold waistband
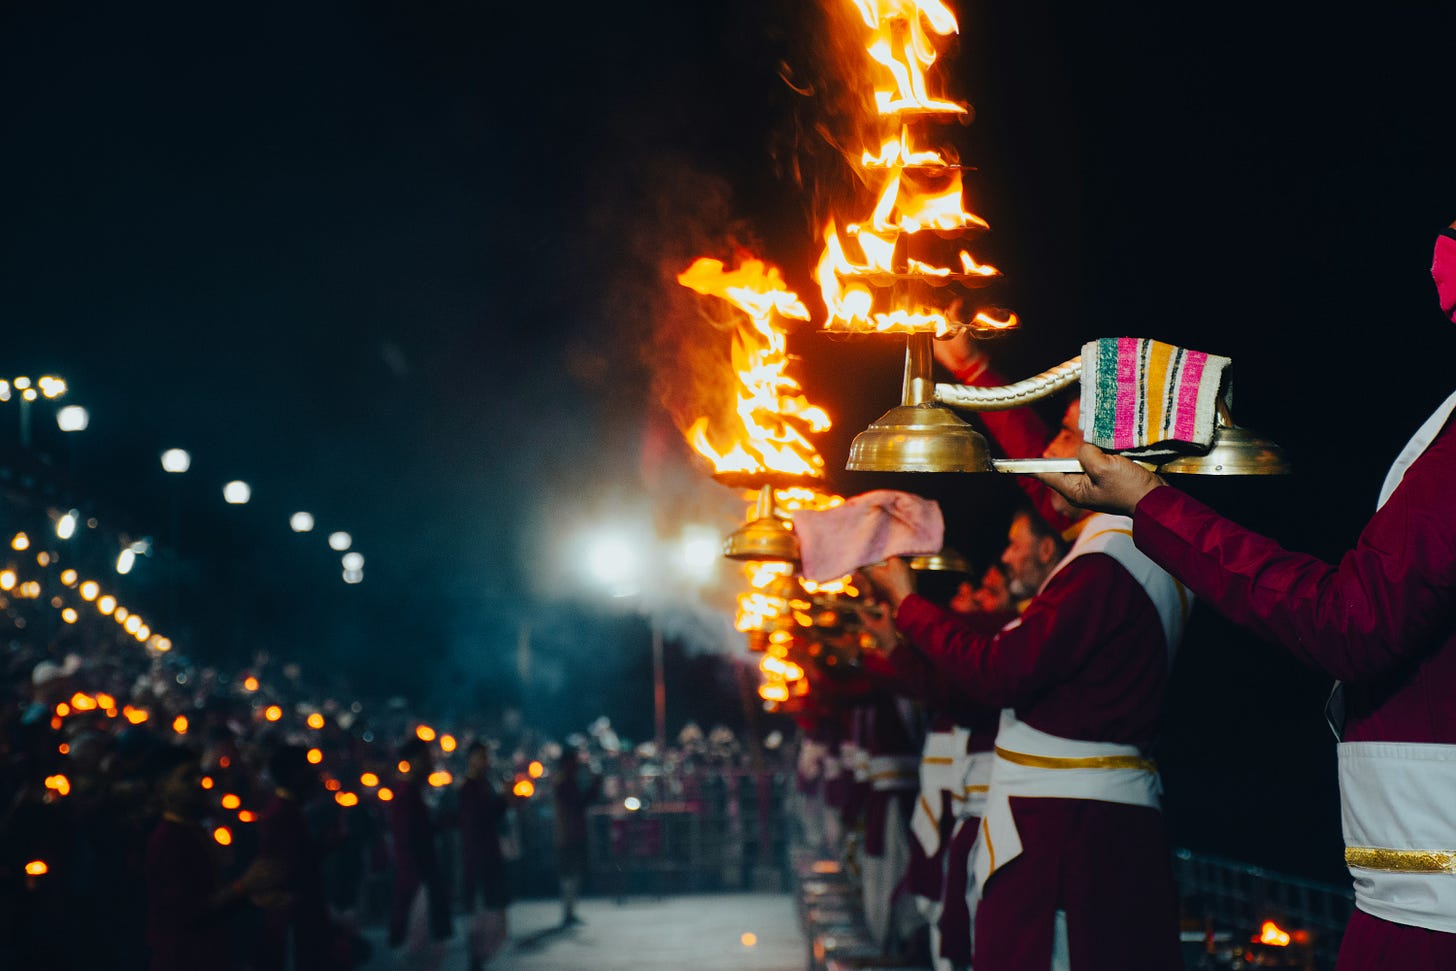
<point x="1405" y="861"/>
<point x="1089" y="762"/>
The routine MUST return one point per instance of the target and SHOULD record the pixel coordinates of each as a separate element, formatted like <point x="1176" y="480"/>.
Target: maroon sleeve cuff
<point x="914" y="611"/>
<point x="1163" y="521"/>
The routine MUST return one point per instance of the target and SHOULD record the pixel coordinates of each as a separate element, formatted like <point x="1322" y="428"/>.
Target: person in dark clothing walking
<point x="571" y="798"/>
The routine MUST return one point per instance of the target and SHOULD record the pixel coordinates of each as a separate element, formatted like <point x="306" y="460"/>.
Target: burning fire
<point x="1270" y="933"/>
<point x="774" y="415"/>
<point x="919" y="204"/>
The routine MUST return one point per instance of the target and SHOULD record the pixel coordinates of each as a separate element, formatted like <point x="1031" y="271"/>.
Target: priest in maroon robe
<point x="1086" y="872"/>
<point x="1382" y="621"/>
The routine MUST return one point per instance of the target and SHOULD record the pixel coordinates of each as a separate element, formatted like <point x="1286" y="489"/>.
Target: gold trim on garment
<point x="1404" y="861"/>
<point x="1089" y="762"/>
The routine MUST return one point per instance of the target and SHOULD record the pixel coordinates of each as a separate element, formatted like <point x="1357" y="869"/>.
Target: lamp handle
<point x="1007" y="396"/>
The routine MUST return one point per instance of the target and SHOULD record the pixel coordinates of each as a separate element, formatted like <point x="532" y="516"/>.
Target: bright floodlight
<point x="125" y="560"/>
<point x="301" y="522"/>
<point x="237" y="492"/>
<point x="340" y="541"/>
<point x="176" y="460"/>
<point x="699" y="552"/>
<point x="353" y="561"/>
<point x="73" y="418"/>
<point x="66" y="525"/>
<point x="613" y="562"/>
<point x="353" y="576"/>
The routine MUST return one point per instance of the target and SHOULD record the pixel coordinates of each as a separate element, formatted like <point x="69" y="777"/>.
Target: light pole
<point x="175" y="461"/>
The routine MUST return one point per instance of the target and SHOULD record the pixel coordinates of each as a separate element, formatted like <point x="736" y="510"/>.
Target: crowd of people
<point x="180" y="817"/>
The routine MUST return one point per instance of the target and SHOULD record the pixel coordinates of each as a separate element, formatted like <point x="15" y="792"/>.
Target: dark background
<point x="399" y="265"/>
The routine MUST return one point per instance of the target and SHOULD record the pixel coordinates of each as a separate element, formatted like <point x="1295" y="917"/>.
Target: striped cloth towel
<point x="1140" y="394"/>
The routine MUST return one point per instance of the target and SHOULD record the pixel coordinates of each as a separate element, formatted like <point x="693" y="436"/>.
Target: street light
<point x="353" y="561"/>
<point x="613" y="562"/>
<point x="340" y="541"/>
<point x="699" y="552"/>
<point x="73" y="418"/>
<point x="237" y="492"/>
<point x="124" y="561"/>
<point x="301" y="522"/>
<point x="176" y="460"/>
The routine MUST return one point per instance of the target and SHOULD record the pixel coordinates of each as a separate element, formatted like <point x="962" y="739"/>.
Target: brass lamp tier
<point x="758" y="478"/>
<point x="946" y="560"/>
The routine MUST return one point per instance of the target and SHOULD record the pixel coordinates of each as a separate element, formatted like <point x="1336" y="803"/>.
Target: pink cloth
<point x="866" y="529"/>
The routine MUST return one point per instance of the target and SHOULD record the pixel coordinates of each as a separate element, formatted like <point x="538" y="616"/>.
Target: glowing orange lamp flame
<point x="1270" y="933"/>
<point x="774" y="417"/>
<point x="865" y="265"/>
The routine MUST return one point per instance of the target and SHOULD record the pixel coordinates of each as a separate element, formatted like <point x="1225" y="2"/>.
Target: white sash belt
<point x="889" y="773"/>
<point x="1062" y="768"/>
<point x="1398" y="807"/>
<point x="856" y="761"/>
<point x="970" y="801"/>
<point x="941" y="770"/>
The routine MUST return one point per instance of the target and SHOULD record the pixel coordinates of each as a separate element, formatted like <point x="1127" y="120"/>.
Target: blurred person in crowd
<point x="483" y="811"/>
<point x="187" y="909"/>
<point x="300" y="910"/>
<point x="416" y="864"/>
<point x="571" y="797"/>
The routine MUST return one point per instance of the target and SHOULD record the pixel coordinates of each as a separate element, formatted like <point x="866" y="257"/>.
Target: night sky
<point x="403" y="266"/>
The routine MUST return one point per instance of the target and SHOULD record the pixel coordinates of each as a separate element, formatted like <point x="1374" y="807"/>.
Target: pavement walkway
<point x="698" y="932"/>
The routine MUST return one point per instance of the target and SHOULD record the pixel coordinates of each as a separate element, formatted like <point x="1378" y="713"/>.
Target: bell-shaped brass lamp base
<point x="919" y="435"/>
<point x="945" y="561"/>
<point x="919" y="438"/>
<point x="1235" y="451"/>
<point x="766" y="537"/>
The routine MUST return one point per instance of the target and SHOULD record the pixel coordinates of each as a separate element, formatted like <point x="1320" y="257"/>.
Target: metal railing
<point x="1239" y="897"/>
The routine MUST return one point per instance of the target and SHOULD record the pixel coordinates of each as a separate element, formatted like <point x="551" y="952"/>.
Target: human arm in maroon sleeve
<point x="1389" y="599"/>
<point x="1061" y="627"/>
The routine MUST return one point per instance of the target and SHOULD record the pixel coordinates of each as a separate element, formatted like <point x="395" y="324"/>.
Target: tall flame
<point x="865" y="268"/>
<point x="774" y="417"/>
